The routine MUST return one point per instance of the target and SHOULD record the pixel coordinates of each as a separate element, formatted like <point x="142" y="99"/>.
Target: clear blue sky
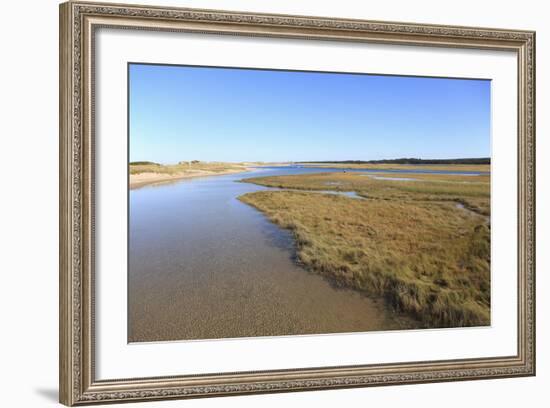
<point x="220" y="114"/>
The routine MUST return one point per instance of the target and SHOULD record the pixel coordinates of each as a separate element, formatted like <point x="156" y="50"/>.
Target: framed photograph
<point x="256" y="203"/>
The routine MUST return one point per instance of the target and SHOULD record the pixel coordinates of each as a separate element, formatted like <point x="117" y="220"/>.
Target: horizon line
<point x="326" y="161"/>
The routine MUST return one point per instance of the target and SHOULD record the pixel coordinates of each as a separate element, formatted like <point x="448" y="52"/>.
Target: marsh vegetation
<point x="466" y="167"/>
<point x="422" y="242"/>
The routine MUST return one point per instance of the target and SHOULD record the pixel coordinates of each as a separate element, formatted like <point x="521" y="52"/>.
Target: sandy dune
<point x="143" y="179"/>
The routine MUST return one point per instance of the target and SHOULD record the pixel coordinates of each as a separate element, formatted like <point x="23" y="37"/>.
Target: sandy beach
<point x="148" y="178"/>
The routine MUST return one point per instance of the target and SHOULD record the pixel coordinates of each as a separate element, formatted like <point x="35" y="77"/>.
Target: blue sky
<point x="225" y="114"/>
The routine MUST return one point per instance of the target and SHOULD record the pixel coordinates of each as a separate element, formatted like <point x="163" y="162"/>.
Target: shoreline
<point x="150" y="178"/>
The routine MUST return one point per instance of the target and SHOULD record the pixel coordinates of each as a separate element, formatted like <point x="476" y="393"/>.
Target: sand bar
<point x="148" y="178"/>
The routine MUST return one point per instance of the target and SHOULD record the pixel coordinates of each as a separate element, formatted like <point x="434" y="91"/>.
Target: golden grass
<point x="471" y="191"/>
<point x="390" y="166"/>
<point x="410" y="244"/>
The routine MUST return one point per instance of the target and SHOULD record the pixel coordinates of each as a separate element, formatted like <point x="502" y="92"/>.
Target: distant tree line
<point x="150" y="163"/>
<point x="411" y="160"/>
<point x="143" y="163"/>
<point x="192" y="162"/>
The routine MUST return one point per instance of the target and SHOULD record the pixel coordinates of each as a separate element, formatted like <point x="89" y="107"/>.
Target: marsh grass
<point x="395" y="166"/>
<point x="408" y="242"/>
<point x="471" y="191"/>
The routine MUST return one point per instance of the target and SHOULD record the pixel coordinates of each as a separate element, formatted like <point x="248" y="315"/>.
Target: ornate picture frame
<point x="78" y="24"/>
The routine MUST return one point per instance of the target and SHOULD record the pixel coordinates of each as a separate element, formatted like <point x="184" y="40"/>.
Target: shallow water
<point x="203" y="265"/>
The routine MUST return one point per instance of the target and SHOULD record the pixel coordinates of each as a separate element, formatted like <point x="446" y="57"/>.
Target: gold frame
<point x="78" y="21"/>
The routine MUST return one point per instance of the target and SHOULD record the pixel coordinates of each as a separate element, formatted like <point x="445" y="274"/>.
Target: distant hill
<point x="479" y="160"/>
